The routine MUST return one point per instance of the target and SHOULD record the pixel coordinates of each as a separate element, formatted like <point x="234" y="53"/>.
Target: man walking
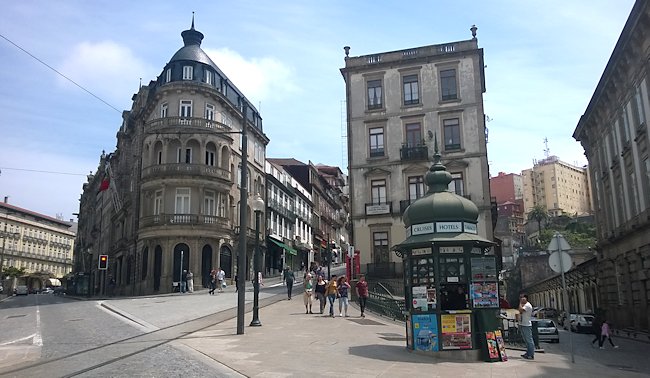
<point x="221" y="279"/>
<point x="288" y="277"/>
<point x="190" y="281"/>
<point x="526" y="311"/>
<point x="184" y="281"/>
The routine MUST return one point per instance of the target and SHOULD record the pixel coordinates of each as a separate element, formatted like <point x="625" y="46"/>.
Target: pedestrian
<point x="605" y="333"/>
<point x="288" y="277"/>
<point x="213" y="281"/>
<point x="309" y="288"/>
<point x="331" y="292"/>
<point x="526" y="311"/>
<point x="190" y="281"/>
<point x="343" y="288"/>
<point x="596" y="328"/>
<point x="302" y="266"/>
<point x="320" y="292"/>
<point x="221" y="280"/>
<point x="362" y="293"/>
<point x="236" y="284"/>
<point x="184" y="281"/>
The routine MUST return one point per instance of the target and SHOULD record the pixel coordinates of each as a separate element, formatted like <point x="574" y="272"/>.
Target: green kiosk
<point x="450" y="281"/>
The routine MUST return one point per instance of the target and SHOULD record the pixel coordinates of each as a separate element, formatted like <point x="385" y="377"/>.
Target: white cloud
<point x="105" y="68"/>
<point x="260" y="79"/>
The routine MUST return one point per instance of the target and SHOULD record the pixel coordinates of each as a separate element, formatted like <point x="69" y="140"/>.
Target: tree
<point x="538" y="214"/>
<point x="10" y="271"/>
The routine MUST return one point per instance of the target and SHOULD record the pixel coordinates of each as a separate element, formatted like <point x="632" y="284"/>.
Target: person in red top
<point x="362" y="293"/>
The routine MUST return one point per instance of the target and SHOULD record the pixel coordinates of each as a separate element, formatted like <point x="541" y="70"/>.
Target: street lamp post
<point x="258" y="207"/>
<point x="241" y="248"/>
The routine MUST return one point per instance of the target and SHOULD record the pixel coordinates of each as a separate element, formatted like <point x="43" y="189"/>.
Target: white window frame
<point x="209" y="203"/>
<point x="158" y="202"/>
<point x="209" y="112"/>
<point x="185" y="109"/>
<point x="168" y="75"/>
<point x="378" y="193"/>
<point x="182" y="202"/>
<point x="164" y="110"/>
<point x="210" y="158"/>
<point x="188" y="72"/>
<point x="209" y="77"/>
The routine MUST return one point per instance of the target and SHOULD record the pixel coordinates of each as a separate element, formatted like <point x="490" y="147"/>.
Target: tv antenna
<point x="546" y="150"/>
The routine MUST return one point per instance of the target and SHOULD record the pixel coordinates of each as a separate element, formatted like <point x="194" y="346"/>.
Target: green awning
<point x="286" y="247"/>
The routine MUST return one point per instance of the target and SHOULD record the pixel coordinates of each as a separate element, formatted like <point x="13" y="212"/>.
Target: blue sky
<point x="543" y="61"/>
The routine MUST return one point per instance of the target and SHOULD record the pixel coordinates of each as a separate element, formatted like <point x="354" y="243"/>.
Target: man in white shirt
<point x="221" y="279"/>
<point x="526" y="311"/>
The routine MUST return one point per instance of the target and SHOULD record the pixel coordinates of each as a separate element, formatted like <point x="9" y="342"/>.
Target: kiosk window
<point x="452" y="269"/>
<point x="454" y="297"/>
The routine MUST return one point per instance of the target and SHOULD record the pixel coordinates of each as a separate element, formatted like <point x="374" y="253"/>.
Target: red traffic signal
<point x="103" y="262"/>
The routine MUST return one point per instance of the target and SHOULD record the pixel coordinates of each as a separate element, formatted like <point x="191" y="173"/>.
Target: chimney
<point x="6" y="199"/>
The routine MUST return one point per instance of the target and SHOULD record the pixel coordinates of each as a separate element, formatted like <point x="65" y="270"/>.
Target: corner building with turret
<point x="167" y="199"/>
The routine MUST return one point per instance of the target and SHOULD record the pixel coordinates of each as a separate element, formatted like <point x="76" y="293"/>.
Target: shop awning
<point x="54" y="282"/>
<point x="286" y="247"/>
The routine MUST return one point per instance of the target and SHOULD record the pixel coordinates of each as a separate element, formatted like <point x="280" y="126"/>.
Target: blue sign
<point x="425" y="332"/>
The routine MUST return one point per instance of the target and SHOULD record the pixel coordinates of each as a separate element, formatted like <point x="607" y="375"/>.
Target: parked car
<point x="2" y="289"/>
<point x="21" y="290"/>
<point x="547" y="330"/>
<point x="566" y="323"/>
<point x="545" y="313"/>
<point x="48" y="290"/>
<point x="582" y="323"/>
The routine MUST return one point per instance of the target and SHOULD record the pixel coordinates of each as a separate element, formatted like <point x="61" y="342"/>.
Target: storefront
<point x="450" y="274"/>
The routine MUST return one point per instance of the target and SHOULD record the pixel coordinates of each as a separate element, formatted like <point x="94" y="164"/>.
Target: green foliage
<point x="583" y="238"/>
<point x="14" y="272"/>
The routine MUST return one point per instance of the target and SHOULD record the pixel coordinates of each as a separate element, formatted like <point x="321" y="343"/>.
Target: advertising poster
<point x="456" y="331"/>
<point x="431" y="297"/>
<point x="409" y="333"/>
<point x="501" y="344"/>
<point x="419" y="298"/>
<point x="492" y="347"/>
<point x="425" y="332"/>
<point x="485" y="295"/>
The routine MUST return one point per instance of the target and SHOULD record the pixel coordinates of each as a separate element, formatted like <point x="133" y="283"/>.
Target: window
<point x="374" y="94"/>
<point x="448" y="84"/>
<point x="209" y="77"/>
<point x="185" y="110"/>
<point x="163" y="110"/>
<point x="376" y="141"/>
<point x="623" y="123"/>
<point x="209" y="112"/>
<point x="188" y="72"/>
<point x="184" y="156"/>
<point x="168" y="75"/>
<point x="209" y="158"/>
<point x="159" y="157"/>
<point x="416" y="187"/>
<point x="158" y="203"/>
<point x="221" y="210"/>
<point x="378" y="191"/>
<point x="452" y="134"/>
<point x="182" y="201"/>
<point x="209" y="203"/>
<point x="456" y="184"/>
<point x="413" y="134"/>
<point x="411" y="94"/>
<point x="380" y="247"/>
<point x="640" y="111"/>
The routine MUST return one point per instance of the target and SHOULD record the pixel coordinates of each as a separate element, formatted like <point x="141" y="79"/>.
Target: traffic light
<point x="103" y="262"/>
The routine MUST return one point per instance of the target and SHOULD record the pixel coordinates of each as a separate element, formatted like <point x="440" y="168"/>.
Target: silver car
<point x="547" y="330"/>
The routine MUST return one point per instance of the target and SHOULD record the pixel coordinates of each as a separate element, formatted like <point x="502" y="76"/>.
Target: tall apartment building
<point x="558" y="186"/>
<point x="614" y="133"/>
<point x="289" y="218"/>
<point x="398" y="102"/>
<point x="40" y="244"/>
<point x="329" y="216"/>
<point x="168" y="198"/>
<point x="507" y="187"/>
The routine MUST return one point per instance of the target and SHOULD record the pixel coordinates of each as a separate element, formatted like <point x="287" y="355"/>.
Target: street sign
<point x="558" y="240"/>
<point x="554" y="261"/>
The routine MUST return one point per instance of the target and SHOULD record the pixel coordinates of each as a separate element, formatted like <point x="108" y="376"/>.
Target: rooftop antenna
<point x="546" y="150"/>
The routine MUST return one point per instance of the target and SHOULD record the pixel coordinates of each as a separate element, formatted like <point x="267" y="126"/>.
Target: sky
<point x="543" y="61"/>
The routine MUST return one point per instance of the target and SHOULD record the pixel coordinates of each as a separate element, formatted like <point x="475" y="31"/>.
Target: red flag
<point x="105" y="184"/>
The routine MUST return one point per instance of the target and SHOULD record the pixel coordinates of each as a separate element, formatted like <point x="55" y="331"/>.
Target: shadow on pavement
<point x="396" y="353"/>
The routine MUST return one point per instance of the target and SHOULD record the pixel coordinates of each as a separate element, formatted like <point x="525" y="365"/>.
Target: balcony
<point x="408" y="54"/>
<point x="379" y="208"/>
<point x="158" y="124"/>
<point x="184" y="219"/>
<point x="408" y="152"/>
<point x="182" y="169"/>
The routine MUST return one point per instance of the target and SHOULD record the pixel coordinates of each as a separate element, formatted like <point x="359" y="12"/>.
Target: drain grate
<point x="365" y="322"/>
<point x="16" y="316"/>
<point x="74" y="320"/>
<point x="393" y="338"/>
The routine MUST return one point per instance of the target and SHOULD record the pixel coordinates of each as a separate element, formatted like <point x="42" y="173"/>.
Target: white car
<point x="547" y="331"/>
<point x="48" y="290"/>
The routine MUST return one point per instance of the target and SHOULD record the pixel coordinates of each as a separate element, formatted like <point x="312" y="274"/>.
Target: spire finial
<point x="192" y="28"/>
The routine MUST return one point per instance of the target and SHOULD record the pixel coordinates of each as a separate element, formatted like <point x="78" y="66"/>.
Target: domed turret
<point x="439" y="204"/>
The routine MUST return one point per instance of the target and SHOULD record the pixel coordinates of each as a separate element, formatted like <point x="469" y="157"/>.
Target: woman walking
<point x="343" y="288"/>
<point x="605" y="334"/>
<point x="331" y="292"/>
<point x="309" y="288"/>
<point x="320" y="292"/>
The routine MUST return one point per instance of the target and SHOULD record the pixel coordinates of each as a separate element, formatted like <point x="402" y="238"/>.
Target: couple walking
<point x="217" y="277"/>
<point x="330" y="291"/>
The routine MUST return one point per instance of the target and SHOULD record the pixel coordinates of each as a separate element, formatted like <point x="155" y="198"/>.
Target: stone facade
<point x="398" y="102"/>
<point x="614" y="133"/>
<point x="168" y="198"/>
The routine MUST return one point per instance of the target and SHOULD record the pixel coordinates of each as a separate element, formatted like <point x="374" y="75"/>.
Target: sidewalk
<point x="291" y="343"/>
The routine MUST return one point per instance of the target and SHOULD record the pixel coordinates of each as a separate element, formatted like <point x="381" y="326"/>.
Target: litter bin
<point x="535" y="334"/>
